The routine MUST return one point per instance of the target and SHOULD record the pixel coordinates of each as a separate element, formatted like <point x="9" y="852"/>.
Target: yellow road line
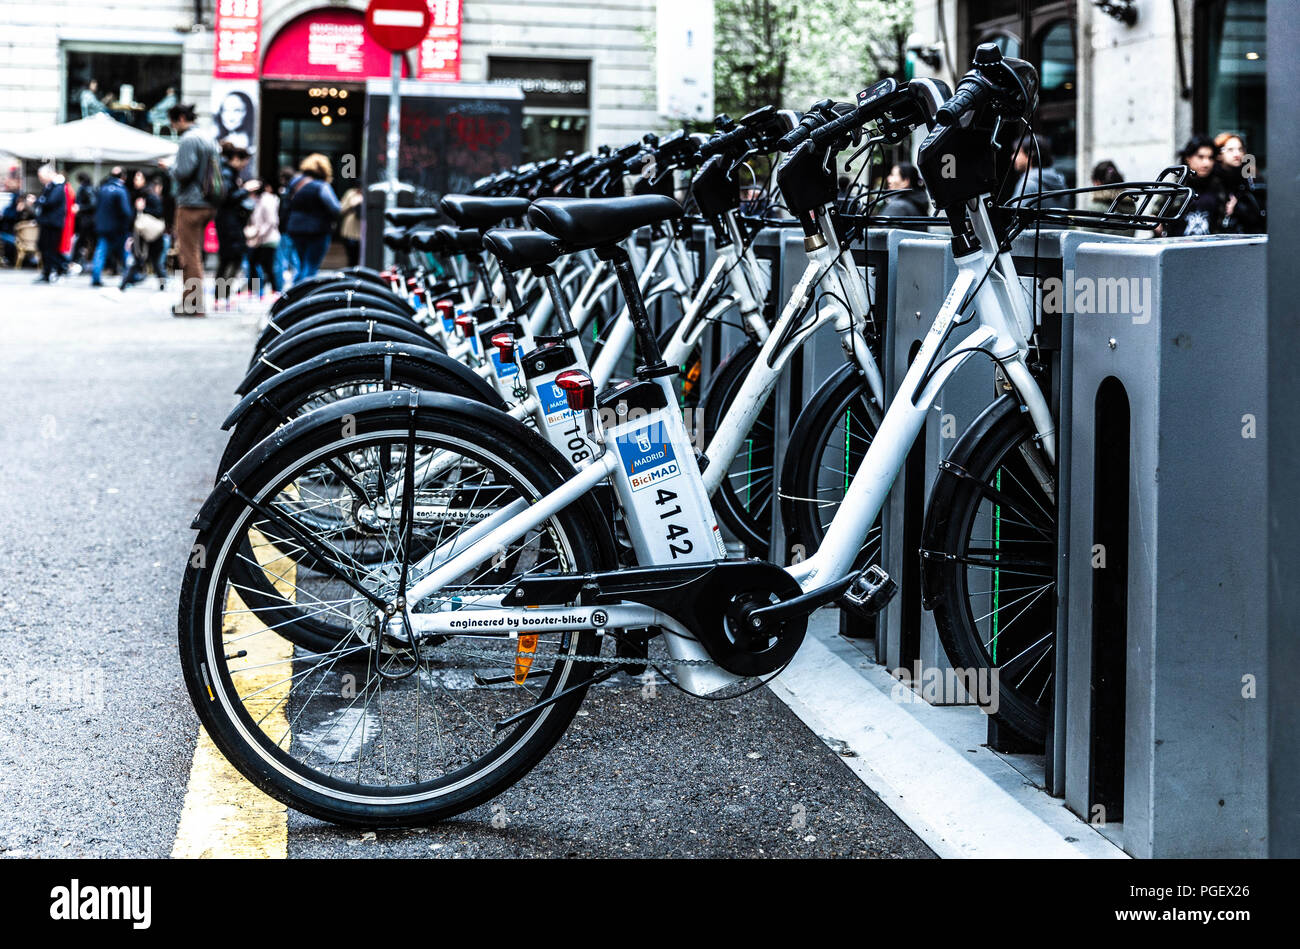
<point x="224" y="815"/>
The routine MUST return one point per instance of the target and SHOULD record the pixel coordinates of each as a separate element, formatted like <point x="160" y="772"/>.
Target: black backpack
<point x="212" y="184"/>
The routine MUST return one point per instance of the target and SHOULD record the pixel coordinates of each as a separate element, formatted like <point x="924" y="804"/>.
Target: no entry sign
<point x="398" y="25"/>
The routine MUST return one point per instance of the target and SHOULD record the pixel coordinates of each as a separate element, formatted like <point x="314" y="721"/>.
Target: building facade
<point x="1125" y="80"/>
<point x="586" y="68"/>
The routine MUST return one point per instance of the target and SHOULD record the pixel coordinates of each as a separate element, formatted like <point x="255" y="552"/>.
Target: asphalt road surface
<point x="109" y="435"/>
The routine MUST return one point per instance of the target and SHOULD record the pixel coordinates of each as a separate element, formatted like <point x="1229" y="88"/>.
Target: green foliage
<point x="793" y="52"/>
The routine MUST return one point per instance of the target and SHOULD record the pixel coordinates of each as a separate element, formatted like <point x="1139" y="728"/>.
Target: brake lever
<point x="740" y="161"/>
<point x="873" y="140"/>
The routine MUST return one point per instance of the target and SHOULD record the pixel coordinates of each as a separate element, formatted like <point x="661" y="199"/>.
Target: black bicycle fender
<point x="490" y="421"/>
<point x="265" y="392"/>
<point x="376" y="332"/>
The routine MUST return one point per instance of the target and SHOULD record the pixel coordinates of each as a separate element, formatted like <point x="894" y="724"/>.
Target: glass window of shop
<point x="557" y="102"/>
<point x="1229" y="70"/>
<point x="134" y="84"/>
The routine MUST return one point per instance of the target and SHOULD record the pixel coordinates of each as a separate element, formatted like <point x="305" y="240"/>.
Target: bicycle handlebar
<point x="972" y="93"/>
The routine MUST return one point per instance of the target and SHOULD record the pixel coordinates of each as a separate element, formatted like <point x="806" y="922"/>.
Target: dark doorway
<point x="300" y="118"/>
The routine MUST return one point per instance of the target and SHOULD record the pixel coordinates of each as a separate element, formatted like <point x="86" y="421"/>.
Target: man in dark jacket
<point x="84" y="248"/>
<point x="196" y="160"/>
<point x="113" y="218"/>
<point x="51" y="210"/>
<point x="1034" y="164"/>
<point x="231" y="216"/>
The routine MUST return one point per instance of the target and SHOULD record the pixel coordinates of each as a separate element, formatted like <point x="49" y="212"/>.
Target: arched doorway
<point x="313" y="91"/>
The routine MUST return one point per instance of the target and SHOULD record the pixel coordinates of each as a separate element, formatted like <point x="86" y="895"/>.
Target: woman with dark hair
<point x="1105" y="173"/>
<point x="909" y="198"/>
<point x="1204" y="214"/>
<point x="84" y="248"/>
<point x="1242" y="213"/>
<point x="149" y="239"/>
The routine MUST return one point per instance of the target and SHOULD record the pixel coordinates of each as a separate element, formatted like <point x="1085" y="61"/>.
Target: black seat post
<point x="512" y="292"/>
<point x="652" y="359"/>
<point x="557" y="299"/>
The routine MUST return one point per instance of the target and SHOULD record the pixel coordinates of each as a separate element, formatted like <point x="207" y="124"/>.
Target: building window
<point x="1229" y="63"/>
<point x="134" y="85"/>
<point x="1041" y="31"/>
<point x="557" y="102"/>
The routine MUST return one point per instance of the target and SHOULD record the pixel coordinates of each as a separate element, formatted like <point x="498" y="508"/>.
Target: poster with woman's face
<point x="234" y="114"/>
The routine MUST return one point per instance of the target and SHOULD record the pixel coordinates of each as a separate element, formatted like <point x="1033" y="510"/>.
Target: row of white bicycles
<point x="460" y="492"/>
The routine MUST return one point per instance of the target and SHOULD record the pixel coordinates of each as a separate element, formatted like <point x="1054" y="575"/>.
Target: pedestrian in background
<point x="197" y="162"/>
<point x="231" y="215"/>
<point x="1105" y="173"/>
<point x="263" y="235"/>
<point x="113" y="219"/>
<point x="69" y="227"/>
<point x="149" y="239"/>
<point x="18" y="209"/>
<point x="51" y="210"/>
<point x="286" y="257"/>
<point x="1034" y="163"/>
<point x="84" y="249"/>
<point x="1204" y="214"/>
<point x="1242" y="213"/>
<point x="350" y="224"/>
<point x="313" y="208"/>
<point x="909" y="197"/>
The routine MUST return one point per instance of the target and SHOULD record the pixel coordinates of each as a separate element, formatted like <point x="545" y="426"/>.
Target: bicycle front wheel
<point x="380" y="730"/>
<point x="990" y="563"/>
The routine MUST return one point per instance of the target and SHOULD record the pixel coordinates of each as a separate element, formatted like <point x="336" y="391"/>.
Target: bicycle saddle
<point x="468" y="211"/>
<point x="397" y="238"/>
<point x="408" y="217"/>
<point x="520" y="249"/>
<point x="592" y="222"/>
<point x="428" y="239"/>
<point x="460" y="240"/>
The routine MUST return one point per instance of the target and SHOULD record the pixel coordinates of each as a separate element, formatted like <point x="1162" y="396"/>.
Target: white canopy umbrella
<point x="99" y="138"/>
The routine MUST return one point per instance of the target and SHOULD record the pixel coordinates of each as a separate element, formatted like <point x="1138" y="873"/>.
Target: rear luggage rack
<point x="1137" y="205"/>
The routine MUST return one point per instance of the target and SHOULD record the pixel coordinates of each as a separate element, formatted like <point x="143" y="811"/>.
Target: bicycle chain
<point x="606" y="660"/>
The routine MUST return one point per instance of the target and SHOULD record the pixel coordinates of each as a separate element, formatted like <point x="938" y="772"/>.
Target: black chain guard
<point x="711" y="600"/>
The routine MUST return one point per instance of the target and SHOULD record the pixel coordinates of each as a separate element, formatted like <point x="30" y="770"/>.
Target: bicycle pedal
<point x="870" y="592"/>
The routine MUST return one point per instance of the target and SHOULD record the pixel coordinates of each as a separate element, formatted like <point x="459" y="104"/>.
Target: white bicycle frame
<point x="1003" y="330"/>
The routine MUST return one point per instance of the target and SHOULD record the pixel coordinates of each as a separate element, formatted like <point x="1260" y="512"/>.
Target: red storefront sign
<point x="238" y="32"/>
<point x="439" y="56"/>
<point x="326" y="44"/>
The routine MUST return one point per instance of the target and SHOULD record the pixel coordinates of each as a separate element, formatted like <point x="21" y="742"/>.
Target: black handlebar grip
<point x="845" y="123"/>
<point x="799" y="134"/>
<point x="969" y="95"/>
<point x="724" y="142"/>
